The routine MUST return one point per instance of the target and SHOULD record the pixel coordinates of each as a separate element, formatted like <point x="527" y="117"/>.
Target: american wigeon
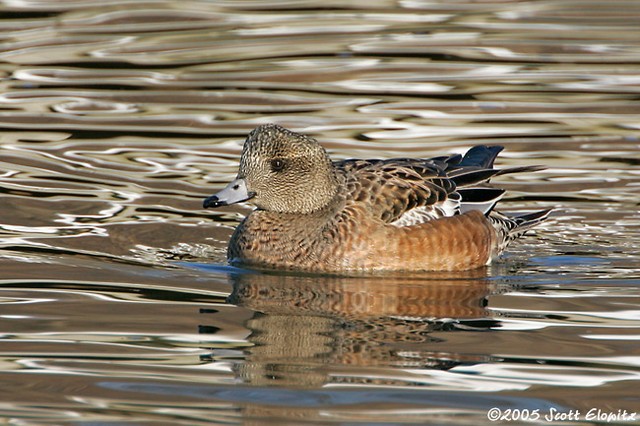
<point x="366" y="215"/>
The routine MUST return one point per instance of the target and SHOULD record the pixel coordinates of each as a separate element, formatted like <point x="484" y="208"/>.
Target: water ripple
<point x="117" y="301"/>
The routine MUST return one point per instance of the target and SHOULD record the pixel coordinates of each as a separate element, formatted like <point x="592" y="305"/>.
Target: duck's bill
<point x="235" y="192"/>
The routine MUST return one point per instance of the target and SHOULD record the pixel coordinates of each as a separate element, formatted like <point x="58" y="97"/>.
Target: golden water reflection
<point x="303" y="323"/>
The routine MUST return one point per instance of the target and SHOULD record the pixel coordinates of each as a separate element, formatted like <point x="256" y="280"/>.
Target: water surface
<point x="116" y="120"/>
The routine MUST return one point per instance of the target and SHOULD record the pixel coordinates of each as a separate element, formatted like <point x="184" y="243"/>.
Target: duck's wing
<point x="402" y="192"/>
<point x="405" y="192"/>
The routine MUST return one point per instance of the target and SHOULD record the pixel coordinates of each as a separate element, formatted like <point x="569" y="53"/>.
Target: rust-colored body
<point x="350" y="238"/>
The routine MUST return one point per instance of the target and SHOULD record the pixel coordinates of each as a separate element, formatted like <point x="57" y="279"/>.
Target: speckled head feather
<point x="288" y="172"/>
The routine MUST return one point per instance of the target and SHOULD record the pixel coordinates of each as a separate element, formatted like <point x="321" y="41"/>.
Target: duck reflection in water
<point x="310" y="330"/>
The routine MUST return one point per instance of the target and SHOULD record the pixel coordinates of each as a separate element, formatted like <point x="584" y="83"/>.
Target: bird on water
<point x="317" y="215"/>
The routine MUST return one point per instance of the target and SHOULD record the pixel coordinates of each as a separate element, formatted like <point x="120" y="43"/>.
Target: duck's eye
<point x="277" y="165"/>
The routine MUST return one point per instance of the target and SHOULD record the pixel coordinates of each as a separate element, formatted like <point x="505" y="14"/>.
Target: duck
<point x="316" y="215"/>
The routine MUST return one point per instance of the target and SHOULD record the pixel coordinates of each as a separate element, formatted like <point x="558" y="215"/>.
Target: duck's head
<point x="281" y="171"/>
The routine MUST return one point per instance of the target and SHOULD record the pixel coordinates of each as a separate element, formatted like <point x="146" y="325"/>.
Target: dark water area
<point x="116" y="302"/>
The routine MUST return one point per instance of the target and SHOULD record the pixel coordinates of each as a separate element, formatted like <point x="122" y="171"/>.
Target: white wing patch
<point x="447" y="208"/>
<point x="483" y="206"/>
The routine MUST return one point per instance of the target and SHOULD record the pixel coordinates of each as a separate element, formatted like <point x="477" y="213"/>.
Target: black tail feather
<point x="477" y="166"/>
<point x="464" y="177"/>
<point x="534" y="168"/>
<point x="481" y="156"/>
